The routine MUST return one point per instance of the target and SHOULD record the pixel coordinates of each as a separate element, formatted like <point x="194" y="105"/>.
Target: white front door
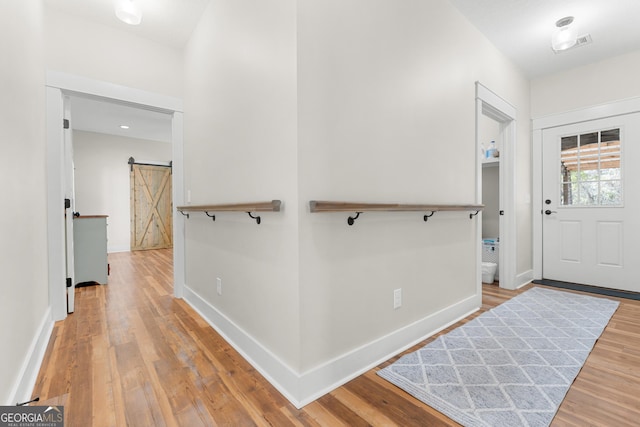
<point x="591" y="203"/>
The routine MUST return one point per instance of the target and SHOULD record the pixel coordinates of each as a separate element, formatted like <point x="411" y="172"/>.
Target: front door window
<point x="591" y="169"/>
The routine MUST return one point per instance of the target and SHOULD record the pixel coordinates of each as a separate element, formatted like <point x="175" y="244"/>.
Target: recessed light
<point x="124" y="127"/>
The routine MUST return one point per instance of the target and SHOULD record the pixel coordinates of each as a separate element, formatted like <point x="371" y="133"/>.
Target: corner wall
<point x="332" y="100"/>
<point x="240" y="146"/>
<point x="25" y="320"/>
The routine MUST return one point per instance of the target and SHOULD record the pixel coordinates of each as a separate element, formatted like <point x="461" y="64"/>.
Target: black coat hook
<point x="352" y="219"/>
<point x="210" y="216"/>
<point x="471" y="215"/>
<point x="426" y="217"/>
<point x="185" y="214"/>
<point x="257" y="218"/>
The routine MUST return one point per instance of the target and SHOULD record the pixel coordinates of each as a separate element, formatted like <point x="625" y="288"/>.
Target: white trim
<point x="601" y="111"/>
<point x="177" y="187"/>
<point x="101" y="89"/>
<point x="303" y="388"/>
<point x="503" y="111"/>
<point x="58" y="84"/>
<point x="478" y="198"/>
<point x="55" y="198"/>
<point x="278" y="373"/>
<point x="523" y="279"/>
<point x="596" y="112"/>
<point x="321" y="380"/>
<point x="495" y="107"/>
<point x="118" y="248"/>
<point x="536" y="205"/>
<point x="23" y="388"/>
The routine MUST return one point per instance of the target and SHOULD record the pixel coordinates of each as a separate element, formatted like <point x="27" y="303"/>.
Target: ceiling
<point x="169" y="22"/>
<point x="521" y="29"/>
<point x="96" y="115"/>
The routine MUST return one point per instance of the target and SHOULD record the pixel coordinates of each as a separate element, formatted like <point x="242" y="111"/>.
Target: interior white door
<point x="590" y="206"/>
<point x="69" y="213"/>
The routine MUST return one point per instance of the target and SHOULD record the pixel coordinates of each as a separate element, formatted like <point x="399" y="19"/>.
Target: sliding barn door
<point x="151" y="207"/>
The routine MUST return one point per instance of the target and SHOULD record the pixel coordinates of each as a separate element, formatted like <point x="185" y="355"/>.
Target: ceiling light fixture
<point x="124" y="127"/>
<point x="128" y="11"/>
<point x="565" y="37"/>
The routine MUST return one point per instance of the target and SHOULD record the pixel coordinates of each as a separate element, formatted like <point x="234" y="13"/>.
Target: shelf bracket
<point x="185" y="214"/>
<point x="210" y="216"/>
<point x="471" y="215"/>
<point x="426" y="217"/>
<point x="352" y="219"/>
<point x="257" y="218"/>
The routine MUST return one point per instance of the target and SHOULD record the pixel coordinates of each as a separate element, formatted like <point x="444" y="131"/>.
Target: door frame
<point x="58" y="85"/>
<point x="493" y="106"/>
<point x="538" y="125"/>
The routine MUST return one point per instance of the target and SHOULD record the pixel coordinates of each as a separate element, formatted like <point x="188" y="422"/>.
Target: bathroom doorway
<point x="495" y="121"/>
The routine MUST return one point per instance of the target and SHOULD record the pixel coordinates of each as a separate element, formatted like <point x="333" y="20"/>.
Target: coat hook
<point x="352" y="219"/>
<point x="257" y="218"/>
<point x="426" y="217"/>
<point x="185" y="214"/>
<point x="471" y="215"/>
<point x="210" y="216"/>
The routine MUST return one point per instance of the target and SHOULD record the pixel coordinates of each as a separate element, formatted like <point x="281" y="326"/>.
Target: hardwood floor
<point x="133" y="355"/>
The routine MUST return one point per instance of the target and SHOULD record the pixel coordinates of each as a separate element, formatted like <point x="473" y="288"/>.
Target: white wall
<point x="240" y="146"/>
<point x="23" y="253"/>
<point x="598" y="83"/>
<point x="102" y="178"/>
<point x="78" y="46"/>
<point x="334" y="100"/>
<point x="387" y="113"/>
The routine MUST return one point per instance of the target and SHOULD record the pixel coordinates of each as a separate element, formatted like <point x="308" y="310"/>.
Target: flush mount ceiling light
<point x="565" y="37"/>
<point x="128" y="11"/>
<point x="124" y="127"/>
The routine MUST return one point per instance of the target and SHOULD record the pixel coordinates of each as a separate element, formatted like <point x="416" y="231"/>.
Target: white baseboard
<point x="22" y="389"/>
<point x="303" y="388"/>
<point x="116" y="248"/>
<point x="524" y="278"/>
<point x="268" y="364"/>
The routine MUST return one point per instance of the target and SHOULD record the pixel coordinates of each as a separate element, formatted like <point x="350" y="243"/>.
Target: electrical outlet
<point x="219" y="285"/>
<point x="188" y="196"/>
<point x="397" y="298"/>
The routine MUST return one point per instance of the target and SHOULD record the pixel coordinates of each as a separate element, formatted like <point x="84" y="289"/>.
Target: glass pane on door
<point x="590" y="167"/>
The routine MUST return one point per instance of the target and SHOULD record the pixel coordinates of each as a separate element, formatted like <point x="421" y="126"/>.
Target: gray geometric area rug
<point x="510" y="366"/>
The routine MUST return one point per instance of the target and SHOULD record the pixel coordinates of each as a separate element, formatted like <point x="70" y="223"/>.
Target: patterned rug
<point x="510" y="366"/>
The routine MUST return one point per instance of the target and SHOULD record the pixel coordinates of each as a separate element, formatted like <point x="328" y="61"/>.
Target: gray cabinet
<point x="90" y="249"/>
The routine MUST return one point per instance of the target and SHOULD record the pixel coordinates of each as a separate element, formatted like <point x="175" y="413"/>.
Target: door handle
<point x="548" y="212"/>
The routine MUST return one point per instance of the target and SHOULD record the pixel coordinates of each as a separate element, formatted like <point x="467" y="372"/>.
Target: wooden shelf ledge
<point x="272" y="206"/>
<point x="327" y="206"/>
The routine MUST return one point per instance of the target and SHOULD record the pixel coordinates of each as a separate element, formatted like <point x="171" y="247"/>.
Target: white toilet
<point x="489" y="272"/>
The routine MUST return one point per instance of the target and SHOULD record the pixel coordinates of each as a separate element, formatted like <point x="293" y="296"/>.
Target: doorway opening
<point x="60" y="88"/>
<point x="496" y="121"/>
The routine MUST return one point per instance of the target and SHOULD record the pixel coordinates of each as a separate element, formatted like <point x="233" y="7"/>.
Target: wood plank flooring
<point x="133" y="355"/>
